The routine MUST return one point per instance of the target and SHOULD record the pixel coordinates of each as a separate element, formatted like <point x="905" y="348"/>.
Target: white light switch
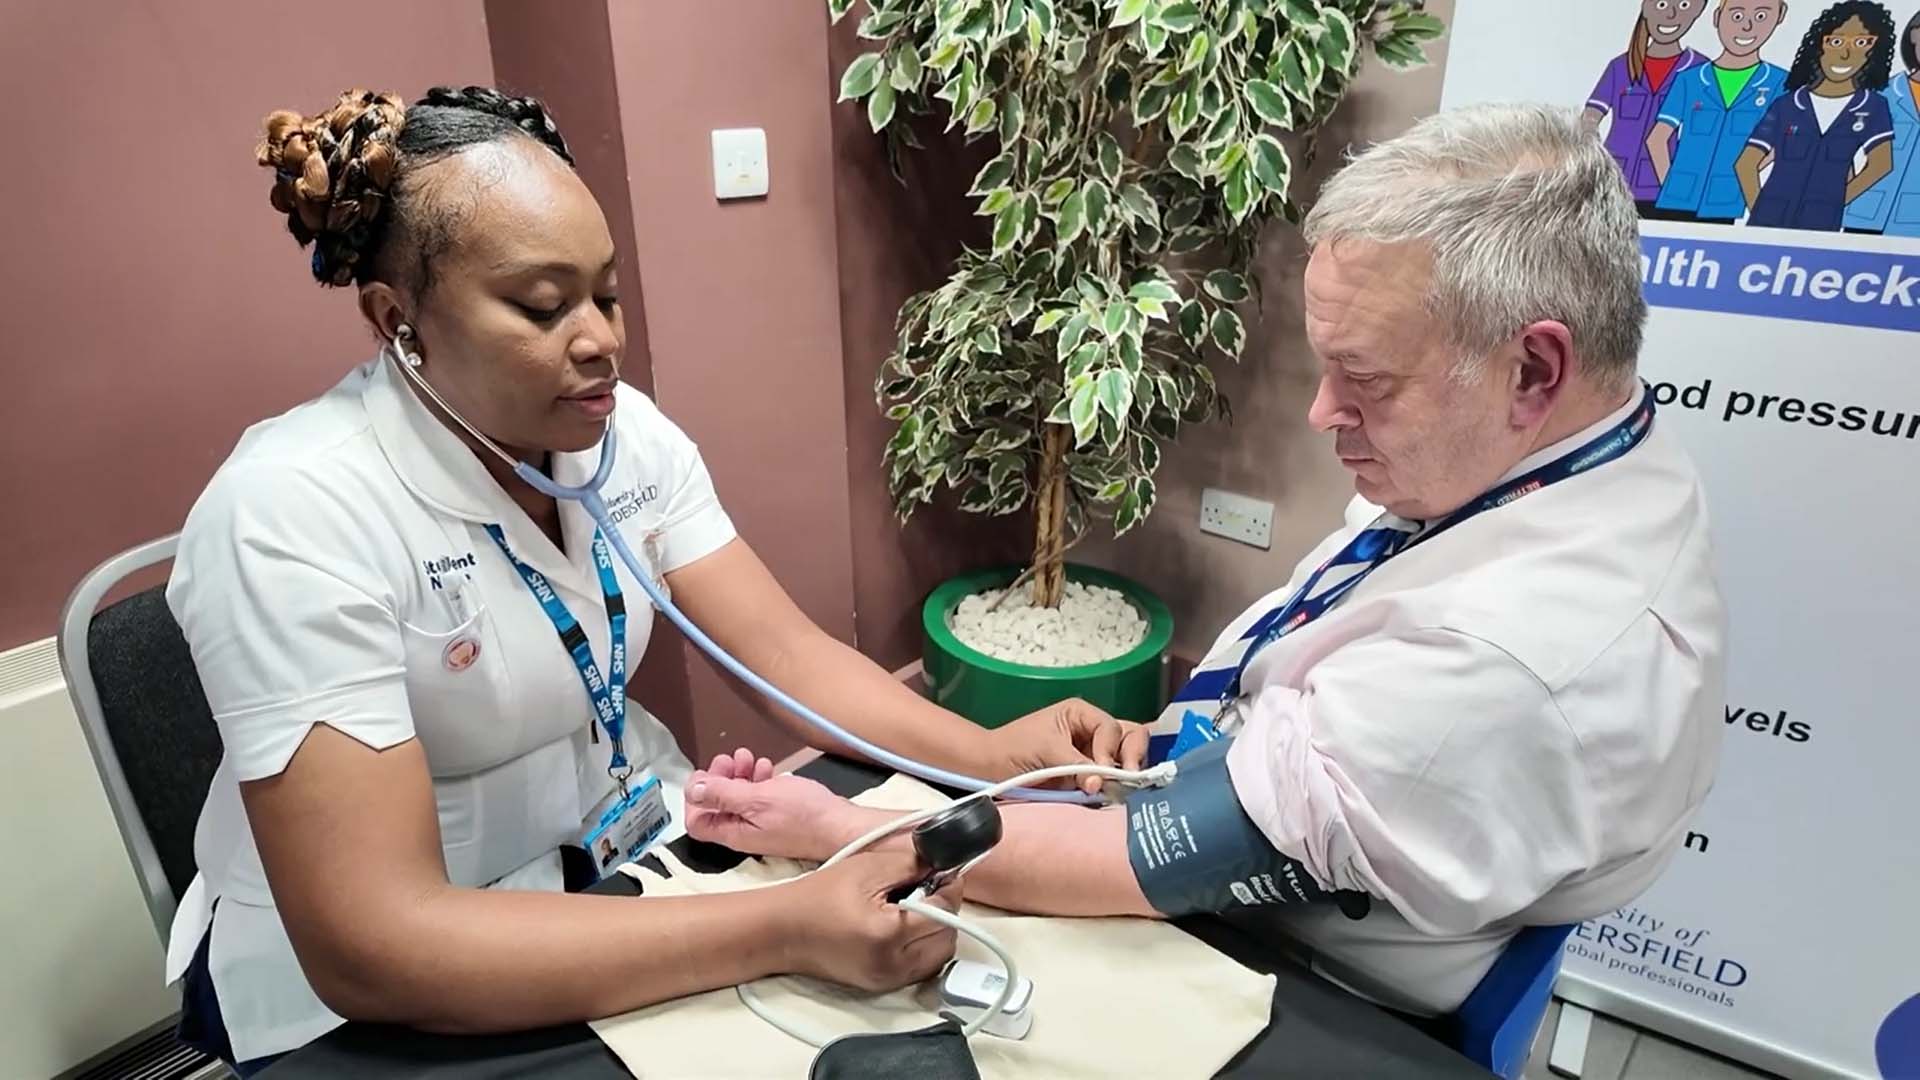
<point x="739" y="163"/>
<point x="1236" y="517"/>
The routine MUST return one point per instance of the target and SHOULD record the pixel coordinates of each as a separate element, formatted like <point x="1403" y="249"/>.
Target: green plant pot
<point x="991" y="692"/>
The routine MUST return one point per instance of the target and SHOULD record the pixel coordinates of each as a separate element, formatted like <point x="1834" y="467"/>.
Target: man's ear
<point x="1546" y="363"/>
<point x="384" y="308"/>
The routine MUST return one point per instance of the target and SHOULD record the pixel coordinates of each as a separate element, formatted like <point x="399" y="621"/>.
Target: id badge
<point x="619" y="830"/>
<point x="1195" y="731"/>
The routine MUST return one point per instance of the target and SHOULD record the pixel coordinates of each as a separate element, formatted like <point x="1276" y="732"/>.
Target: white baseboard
<point x="83" y="968"/>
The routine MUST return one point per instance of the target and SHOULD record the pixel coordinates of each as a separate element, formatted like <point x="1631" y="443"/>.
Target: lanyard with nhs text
<point x="1371" y="549"/>
<point x="609" y="695"/>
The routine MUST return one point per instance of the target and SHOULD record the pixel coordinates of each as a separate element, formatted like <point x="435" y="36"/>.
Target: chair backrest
<point x="1497" y="1023"/>
<point x="146" y="721"/>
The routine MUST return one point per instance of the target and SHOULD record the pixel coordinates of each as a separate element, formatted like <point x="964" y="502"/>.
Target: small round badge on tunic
<point x="461" y="653"/>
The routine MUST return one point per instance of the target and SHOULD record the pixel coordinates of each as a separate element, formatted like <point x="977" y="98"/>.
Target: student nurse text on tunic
<point x="407" y="740"/>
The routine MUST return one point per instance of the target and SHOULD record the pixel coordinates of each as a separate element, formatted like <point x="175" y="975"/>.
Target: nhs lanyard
<point x="1374" y="546"/>
<point x="609" y="695"/>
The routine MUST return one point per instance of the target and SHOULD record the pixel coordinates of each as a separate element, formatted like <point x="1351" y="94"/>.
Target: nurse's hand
<point x="850" y="934"/>
<point x="743" y="805"/>
<point x="1069" y="733"/>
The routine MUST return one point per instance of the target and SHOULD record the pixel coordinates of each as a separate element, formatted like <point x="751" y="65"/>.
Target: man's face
<point x="1420" y="441"/>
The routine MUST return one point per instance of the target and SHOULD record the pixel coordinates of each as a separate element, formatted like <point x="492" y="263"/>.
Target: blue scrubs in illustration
<point x="1832" y="114"/>
<point x="1892" y="206"/>
<point x="1708" y="114"/>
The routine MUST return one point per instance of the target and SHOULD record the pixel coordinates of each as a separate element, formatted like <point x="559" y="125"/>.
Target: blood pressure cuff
<point x="1194" y="850"/>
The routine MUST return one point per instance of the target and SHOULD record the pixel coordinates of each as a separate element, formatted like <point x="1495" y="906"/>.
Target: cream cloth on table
<point x="1111" y="997"/>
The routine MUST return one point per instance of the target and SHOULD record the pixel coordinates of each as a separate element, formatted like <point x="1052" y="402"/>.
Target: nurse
<point x="1893" y="205"/>
<point x="1630" y="88"/>
<point x="1712" y="111"/>
<point x="1832" y="115"/>
<point x="418" y="663"/>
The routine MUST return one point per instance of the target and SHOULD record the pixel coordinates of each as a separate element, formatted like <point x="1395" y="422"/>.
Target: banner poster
<point x="1774" y="151"/>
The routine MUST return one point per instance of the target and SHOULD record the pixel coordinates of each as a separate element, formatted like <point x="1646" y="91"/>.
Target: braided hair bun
<point x="340" y="176"/>
<point x="332" y="173"/>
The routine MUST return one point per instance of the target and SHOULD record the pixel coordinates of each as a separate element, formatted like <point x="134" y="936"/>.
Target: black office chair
<point x="146" y="720"/>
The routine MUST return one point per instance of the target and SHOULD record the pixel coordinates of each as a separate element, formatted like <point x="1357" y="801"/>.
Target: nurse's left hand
<point x="1069" y="733"/>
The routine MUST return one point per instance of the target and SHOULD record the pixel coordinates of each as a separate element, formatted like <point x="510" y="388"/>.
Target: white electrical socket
<point x="1237" y="517"/>
<point x="739" y="163"/>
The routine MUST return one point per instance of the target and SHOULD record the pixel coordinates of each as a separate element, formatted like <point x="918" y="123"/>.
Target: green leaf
<point x="1012" y="119"/>
<point x="879" y="24"/>
<point x="1338" y="41"/>
<point x="1110" y="158"/>
<point x="1043" y="11"/>
<point x="1311" y="62"/>
<point x="1076" y="329"/>
<point x="1186" y="161"/>
<point x="1153" y="101"/>
<point x="1293" y="72"/>
<point x="899" y="412"/>
<point x="1050" y="319"/>
<point x="1112" y="491"/>
<point x="1269" y="103"/>
<point x="1007" y="229"/>
<point x="1127" y="514"/>
<point x="981" y="117"/>
<point x="1185" y="213"/>
<point x="1062" y="412"/>
<point x="1228" y="159"/>
<point x="976" y="26"/>
<point x="1022" y="303"/>
<point x="1016" y="18"/>
<point x="1073" y="218"/>
<point x="1084" y="411"/>
<point x="1036" y="33"/>
<point x="1184" y="112"/>
<point x="1130" y="358"/>
<point x="996" y="174"/>
<point x="880" y="107"/>
<point x="1129" y="12"/>
<point x="1298" y="12"/>
<point x="1193" y="323"/>
<point x="837" y="9"/>
<point x="946" y="55"/>
<point x="861" y="77"/>
<point x="1084" y="358"/>
<point x="1155" y="289"/>
<point x="1140" y="204"/>
<point x="1226" y="287"/>
<point x="1229" y="333"/>
<point x="1196" y="52"/>
<point x="1057" y="191"/>
<point x="1098" y="200"/>
<point x="907" y="69"/>
<point x="1114" y="392"/>
<point x="1179" y="18"/>
<point x="987" y="342"/>
<point x="1417" y="26"/>
<point x="1239" y="191"/>
<point x="1153" y="39"/>
<point x="1271" y="165"/>
<point x="997" y="200"/>
<point x="1116" y="317"/>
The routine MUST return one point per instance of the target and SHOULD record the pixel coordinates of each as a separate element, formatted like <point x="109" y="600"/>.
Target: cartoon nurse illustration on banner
<point x="1829" y="142"/>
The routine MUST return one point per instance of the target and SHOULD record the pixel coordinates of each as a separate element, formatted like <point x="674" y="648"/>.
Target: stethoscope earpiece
<point x="401" y="335"/>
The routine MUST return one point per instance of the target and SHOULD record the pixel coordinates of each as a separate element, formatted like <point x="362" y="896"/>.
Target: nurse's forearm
<point x="1660" y="150"/>
<point x="1747" y="169"/>
<point x="471" y="961"/>
<point x="1879" y="164"/>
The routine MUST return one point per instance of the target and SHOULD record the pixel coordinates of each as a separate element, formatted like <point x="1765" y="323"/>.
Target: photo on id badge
<point x="1765" y="113"/>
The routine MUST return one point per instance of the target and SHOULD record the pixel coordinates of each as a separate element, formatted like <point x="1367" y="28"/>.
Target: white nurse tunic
<point x="337" y="571"/>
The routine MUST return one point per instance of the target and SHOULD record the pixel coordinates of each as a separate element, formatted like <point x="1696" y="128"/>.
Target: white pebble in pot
<point x="1091" y="625"/>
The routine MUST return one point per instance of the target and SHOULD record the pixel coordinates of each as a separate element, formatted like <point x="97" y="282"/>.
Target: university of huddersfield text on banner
<point x="1873" y="289"/>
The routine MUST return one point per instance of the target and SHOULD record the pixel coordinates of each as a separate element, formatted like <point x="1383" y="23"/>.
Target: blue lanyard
<point x="1374" y="546"/>
<point x="609" y="695"/>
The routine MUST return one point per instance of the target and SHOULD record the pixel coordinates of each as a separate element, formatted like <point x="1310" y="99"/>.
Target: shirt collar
<point x="1579" y="438"/>
<point x="443" y="473"/>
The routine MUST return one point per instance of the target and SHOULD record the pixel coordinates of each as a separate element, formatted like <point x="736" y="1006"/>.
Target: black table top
<point x="1317" y="1029"/>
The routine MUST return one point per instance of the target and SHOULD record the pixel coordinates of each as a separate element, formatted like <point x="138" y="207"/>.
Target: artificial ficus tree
<point x="1143" y="145"/>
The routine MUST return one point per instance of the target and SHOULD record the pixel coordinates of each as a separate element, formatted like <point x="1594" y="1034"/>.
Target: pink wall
<point x="741" y="301"/>
<point x="894" y="241"/>
<point x="154" y="303"/>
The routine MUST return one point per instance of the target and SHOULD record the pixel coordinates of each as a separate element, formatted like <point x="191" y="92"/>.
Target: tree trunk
<point x="1050" y="517"/>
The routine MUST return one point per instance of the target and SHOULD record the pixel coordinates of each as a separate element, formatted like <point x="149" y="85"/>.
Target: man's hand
<point x="1069" y="733"/>
<point x="740" y="802"/>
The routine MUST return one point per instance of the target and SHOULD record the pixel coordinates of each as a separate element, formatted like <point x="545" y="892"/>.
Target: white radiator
<point x="81" y="967"/>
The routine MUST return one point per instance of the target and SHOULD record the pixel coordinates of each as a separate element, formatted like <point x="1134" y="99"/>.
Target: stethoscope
<point x="950" y="838"/>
